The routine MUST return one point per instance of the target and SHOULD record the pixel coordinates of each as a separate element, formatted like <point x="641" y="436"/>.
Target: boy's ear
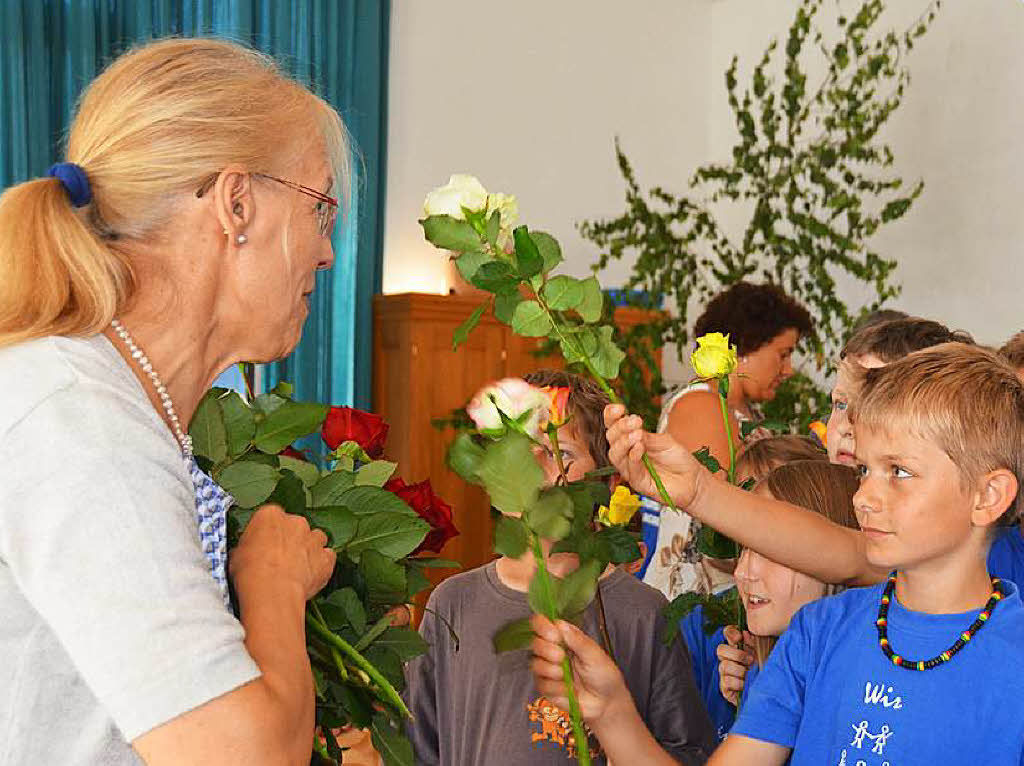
<point x="996" y="492"/>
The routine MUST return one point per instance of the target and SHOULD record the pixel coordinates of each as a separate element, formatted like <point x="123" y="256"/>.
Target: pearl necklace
<point x="165" y="399"/>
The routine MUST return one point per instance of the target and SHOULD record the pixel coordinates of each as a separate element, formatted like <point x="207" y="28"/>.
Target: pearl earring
<point x="241" y="239"/>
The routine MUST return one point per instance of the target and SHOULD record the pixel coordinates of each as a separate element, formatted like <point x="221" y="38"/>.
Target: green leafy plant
<point x="356" y="653"/>
<point x="811" y="173"/>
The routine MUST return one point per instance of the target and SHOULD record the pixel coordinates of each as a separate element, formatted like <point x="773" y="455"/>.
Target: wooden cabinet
<point x="417" y="378"/>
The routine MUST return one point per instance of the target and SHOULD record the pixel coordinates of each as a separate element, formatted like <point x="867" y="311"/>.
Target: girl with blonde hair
<point x="182" y="235"/>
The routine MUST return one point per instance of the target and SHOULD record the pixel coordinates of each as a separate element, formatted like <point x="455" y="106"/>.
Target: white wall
<point x="651" y="72"/>
<point x="528" y="96"/>
<point x="961" y="129"/>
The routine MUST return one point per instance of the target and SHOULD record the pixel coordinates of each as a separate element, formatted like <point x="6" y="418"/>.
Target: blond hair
<point x="965" y="399"/>
<point x="156" y="123"/>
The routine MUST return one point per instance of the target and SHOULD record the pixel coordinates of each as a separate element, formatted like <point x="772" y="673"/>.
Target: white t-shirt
<point x="110" y="621"/>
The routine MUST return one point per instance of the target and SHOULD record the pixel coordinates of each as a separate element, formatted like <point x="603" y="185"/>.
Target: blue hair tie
<point x="74" y="180"/>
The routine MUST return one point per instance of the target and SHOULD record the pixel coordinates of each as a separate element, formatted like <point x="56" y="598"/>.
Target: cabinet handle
<point x="504" y="355"/>
<point x="415" y="350"/>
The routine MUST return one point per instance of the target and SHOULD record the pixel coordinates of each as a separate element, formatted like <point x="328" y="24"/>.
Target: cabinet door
<point x="453" y="377"/>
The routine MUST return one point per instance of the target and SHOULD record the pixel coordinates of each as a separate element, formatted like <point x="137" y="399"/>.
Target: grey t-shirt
<point x="110" y="620"/>
<point x="477" y="708"/>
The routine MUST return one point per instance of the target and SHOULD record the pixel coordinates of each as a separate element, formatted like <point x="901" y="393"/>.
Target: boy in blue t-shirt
<point x="920" y="669"/>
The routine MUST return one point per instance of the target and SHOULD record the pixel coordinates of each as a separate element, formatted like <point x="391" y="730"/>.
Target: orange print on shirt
<point x="555" y="727"/>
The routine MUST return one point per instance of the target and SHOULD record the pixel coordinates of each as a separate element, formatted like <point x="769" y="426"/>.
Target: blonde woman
<point x="182" y="234"/>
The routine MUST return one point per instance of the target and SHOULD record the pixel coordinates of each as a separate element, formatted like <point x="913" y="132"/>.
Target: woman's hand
<point x="599" y="683"/>
<point x="733" y="662"/>
<point x="281" y="546"/>
<point x="627" y="441"/>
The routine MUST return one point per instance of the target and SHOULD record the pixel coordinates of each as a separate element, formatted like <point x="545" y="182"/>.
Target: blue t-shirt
<point x="829" y="693"/>
<point x="1006" y="556"/>
<point x="705" y="669"/>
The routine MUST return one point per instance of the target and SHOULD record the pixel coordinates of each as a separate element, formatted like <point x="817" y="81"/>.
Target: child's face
<point x="772" y="593"/>
<point x="575" y="456"/>
<point x="840" y="443"/>
<point x="912" y="505"/>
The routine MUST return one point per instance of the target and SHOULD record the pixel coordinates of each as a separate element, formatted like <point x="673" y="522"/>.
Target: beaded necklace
<point x="902" y="662"/>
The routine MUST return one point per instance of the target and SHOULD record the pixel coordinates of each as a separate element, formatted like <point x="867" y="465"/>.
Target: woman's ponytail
<point x="57" y="276"/>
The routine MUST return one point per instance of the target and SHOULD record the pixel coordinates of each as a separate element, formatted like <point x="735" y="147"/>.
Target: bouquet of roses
<point x="376" y="524"/>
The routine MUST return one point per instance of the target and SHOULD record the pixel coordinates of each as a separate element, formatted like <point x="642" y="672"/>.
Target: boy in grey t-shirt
<point x="473" y="707"/>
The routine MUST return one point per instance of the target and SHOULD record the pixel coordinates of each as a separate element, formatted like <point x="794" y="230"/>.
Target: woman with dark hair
<point x="765" y="325"/>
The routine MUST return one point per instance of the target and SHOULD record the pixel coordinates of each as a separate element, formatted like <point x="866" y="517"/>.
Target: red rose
<point x="431" y="508"/>
<point x="292" y="452"/>
<point x="345" y="424"/>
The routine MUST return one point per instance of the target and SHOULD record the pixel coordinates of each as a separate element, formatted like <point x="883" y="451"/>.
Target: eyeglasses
<point x="326" y="208"/>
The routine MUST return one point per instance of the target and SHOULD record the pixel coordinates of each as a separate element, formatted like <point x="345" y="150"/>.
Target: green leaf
<point x="562" y="293"/>
<point x="364" y="501"/>
<point x="392" y="535"/>
<point x="337" y="521"/>
<point x="469" y="263"/>
<point x="330" y="488"/>
<point x="577" y="589"/>
<point x="549" y="517"/>
<point x="511" y="538"/>
<point x="249" y="483"/>
<point x="388" y="740"/>
<point x="290" y="494"/>
<point x="416" y="581"/>
<point x="345" y="609"/>
<point x="592" y="302"/>
<point x="283" y="389"/>
<point x="514" y="636"/>
<point x="527" y="255"/>
<point x="494" y="276"/>
<point x="716" y="545"/>
<point x="607" y="358"/>
<point x="530" y="320"/>
<point x="510" y="474"/>
<point x="239" y="423"/>
<point x="493" y="228"/>
<point x="404" y="642"/>
<point x="550" y="252"/>
<point x="267" y="403"/>
<point x="505" y="304"/>
<point x="463" y="330"/>
<point x="287" y="423"/>
<point x="209" y="437"/>
<point x="706" y="459"/>
<point x="622" y="546"/>
<point x="449" y="233"/>
<point x="375" y="474"/>
<point x="464" y="457"/>
<point x="385" y="580"/>
<point x="306" y="471"/>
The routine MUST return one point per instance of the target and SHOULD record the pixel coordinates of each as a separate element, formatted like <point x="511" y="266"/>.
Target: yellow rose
<point x="714" y="357"/>
<point x="620" y="508"/>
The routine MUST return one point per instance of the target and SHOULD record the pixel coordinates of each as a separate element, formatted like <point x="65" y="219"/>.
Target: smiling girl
<point x="773" y="593"/>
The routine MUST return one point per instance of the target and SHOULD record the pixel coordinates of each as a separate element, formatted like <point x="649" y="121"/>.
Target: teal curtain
<point x="53" y="48"/>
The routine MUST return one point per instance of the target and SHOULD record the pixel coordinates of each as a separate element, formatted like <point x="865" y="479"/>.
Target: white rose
<point x="508" y="206"/>
<point x="513" y="397"/>
<point x="461" y="191"/>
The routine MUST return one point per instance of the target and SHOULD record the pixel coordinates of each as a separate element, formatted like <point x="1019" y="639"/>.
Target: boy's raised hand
<point x="627" y="442"/>
<point x="599" y="683"/>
